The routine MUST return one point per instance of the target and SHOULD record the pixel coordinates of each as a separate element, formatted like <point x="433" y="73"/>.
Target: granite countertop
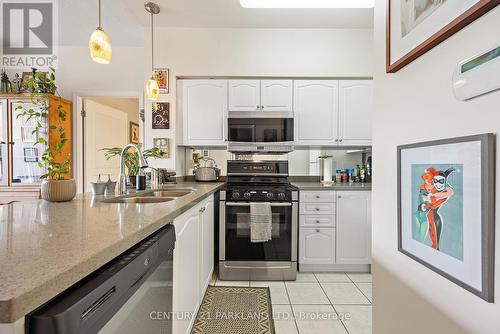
<point x="335" y="186"/>
<point x="47" y="247"/>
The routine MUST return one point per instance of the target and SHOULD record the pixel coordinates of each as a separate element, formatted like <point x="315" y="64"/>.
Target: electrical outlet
<point x="205" y="153"/>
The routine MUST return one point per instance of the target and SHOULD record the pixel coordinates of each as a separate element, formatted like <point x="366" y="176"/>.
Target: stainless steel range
<point x="241" y="259"/>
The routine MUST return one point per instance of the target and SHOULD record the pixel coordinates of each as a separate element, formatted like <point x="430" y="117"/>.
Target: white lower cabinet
<point x="317" y="245"/>
<point x="193" y="263"/>
<point x="353" y="227"/>
<point x="334" y="230"/>
<point x="206" y="245"/>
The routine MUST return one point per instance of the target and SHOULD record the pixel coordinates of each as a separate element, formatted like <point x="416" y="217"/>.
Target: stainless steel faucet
<point x="122" y="179"/>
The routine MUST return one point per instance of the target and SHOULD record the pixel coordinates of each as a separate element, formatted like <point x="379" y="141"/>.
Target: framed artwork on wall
<point x="134" y="132"/>
<point x="161" y="115"/>
<point x="162" y="77"/>
<point x="30" y="154"/>
<point x="446" y="209"/>
<point x="163" y="144"/>
<point x="416" y="26"/>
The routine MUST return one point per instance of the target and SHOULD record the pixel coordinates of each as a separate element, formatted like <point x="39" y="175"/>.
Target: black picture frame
<point x="160" y="115"/>
<point x="488" y="162"/>
<point x="30" y="154"/>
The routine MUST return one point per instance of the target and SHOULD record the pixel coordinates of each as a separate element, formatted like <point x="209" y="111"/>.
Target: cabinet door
<point x="186" y="296"/>
<point x="3" y="142"/>
<point x="204" y="105"/>
<point x="355" y="112"/>
<point x="25" y="152"/>
<point x="207" y="244"/>
<point x="276" y="95"/>
<point x="244" y="95"/>
<point x="316" y="112"/>
<point x="316" y="245"/>
<point x="353" y="227"/>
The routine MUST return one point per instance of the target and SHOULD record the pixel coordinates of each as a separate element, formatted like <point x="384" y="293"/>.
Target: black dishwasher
<point x="131" y="294"/>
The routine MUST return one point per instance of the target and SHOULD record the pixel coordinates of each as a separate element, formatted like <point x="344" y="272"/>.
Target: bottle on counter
<point x="369" y="169"/>
<point x="338" y="176"/>
<point x="362" y="173"/>
<point x="350" y="174"/>
<point x="344" y="176"/>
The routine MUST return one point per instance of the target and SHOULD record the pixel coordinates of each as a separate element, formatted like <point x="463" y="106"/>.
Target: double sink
<point x="151" y="196"/>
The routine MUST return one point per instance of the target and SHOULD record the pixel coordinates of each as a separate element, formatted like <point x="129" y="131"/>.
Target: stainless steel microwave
<point x="260" y="134"/>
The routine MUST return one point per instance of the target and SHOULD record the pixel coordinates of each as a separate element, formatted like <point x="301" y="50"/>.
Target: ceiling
<point x="229" y="14"/>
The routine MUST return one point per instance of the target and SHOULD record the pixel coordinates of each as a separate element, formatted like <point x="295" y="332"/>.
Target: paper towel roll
<point x="327" y="169"/>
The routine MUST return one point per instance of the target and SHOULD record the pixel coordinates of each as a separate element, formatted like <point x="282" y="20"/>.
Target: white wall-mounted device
<point x="477" y="75"/>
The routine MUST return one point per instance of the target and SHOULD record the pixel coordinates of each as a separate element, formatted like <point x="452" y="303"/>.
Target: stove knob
<point x="270" y="195"/>
<point x="281" y="195"/>
<point x="235" y="195"/>
<point x="247" y="195"/>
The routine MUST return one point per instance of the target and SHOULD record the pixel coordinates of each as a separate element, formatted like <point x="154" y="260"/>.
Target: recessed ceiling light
<point x="307" y="3"/>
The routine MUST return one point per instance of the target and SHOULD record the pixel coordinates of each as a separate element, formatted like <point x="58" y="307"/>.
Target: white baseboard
<point x="361" y="268"/>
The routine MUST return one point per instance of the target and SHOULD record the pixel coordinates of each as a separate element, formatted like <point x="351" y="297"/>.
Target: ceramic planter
<point x="58" y="190"/>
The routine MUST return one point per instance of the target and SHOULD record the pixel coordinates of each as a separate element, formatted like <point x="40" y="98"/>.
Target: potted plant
<point x="55" y="186"/>
<point x="132" y="159"/>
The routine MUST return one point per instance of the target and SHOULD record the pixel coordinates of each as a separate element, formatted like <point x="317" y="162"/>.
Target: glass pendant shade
<point x="100" y="47"/>
<point x="152" y="89"/>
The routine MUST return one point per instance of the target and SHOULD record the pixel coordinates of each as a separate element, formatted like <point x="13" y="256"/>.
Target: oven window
<point x="238" y="245"/>
<point x="265" y="130"/>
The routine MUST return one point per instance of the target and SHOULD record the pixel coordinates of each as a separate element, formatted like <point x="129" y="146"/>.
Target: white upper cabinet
<point x="244" y="95"/>
<point x="355" y="112"/>
<point x="204" y="107"/>
<point x="353" y="227"/>
<point x="276" y="95"/>
<point x="316" y="111"/>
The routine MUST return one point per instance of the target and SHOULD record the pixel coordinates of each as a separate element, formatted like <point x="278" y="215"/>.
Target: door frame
<point x="78" y="125"/>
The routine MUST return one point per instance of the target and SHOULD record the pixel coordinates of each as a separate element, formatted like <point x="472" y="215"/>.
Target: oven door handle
<point x="248" y="204"/>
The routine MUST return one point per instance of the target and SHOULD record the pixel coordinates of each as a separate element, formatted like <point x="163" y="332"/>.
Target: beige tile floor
<point x="319" y="303"/>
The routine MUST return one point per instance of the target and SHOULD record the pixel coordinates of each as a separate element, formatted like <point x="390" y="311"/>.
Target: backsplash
<point x="302" y="161"/>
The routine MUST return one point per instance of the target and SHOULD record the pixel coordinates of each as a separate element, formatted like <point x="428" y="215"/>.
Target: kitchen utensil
<point x="98" y="187"/>
<point x="110" y="185"/>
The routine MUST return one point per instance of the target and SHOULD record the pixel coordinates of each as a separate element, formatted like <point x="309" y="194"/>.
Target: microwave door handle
<point x="248" y="204"/>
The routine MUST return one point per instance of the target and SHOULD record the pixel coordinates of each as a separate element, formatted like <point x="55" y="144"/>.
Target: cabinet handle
<point x="317" y="209"/>
<point x="202" y="210"/>
<point x="336" y="140"/>
<point x="317" y="196"/>
<point x="258" y="107"/>
<point x="317" y="231"/>
<point x="340" y="140"/>
<point x="317" y="221"/>
<point x="339" y="196"/>
<point x="262" y="107"/>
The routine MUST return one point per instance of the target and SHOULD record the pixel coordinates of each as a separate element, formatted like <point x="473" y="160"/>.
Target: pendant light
<point x="99" y="44"/>
<point x="152" y="88"/>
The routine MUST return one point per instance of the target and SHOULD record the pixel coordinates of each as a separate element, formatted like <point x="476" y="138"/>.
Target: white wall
<point x="254" y="52"/>
<point x="416" y="104"/>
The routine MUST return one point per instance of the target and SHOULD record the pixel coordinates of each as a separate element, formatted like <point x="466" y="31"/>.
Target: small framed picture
<point x="161" y="115"/>
<point x="164" y="145"/>
<point x="446" y="209"/>
<point x="134" y="132"/>
<point x="161" y="76"/>
<point x="30" y="154"/>
<point x="29" y="134"/>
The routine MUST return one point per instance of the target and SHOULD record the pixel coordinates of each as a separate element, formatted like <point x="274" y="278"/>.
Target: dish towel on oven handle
<point x="260" y="222"/>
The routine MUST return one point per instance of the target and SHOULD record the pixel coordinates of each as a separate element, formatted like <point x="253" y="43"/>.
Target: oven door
<point x="235" y="242"/>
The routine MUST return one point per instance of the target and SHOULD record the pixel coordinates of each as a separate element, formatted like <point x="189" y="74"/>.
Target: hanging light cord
<point x="152" y="42"/>
<point x="99" y="1"/>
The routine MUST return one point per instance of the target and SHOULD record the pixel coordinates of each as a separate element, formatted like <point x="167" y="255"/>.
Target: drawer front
<point x="317" y="208"/>
<point x="326" y="196"/>
<point x="317" y="221"/>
